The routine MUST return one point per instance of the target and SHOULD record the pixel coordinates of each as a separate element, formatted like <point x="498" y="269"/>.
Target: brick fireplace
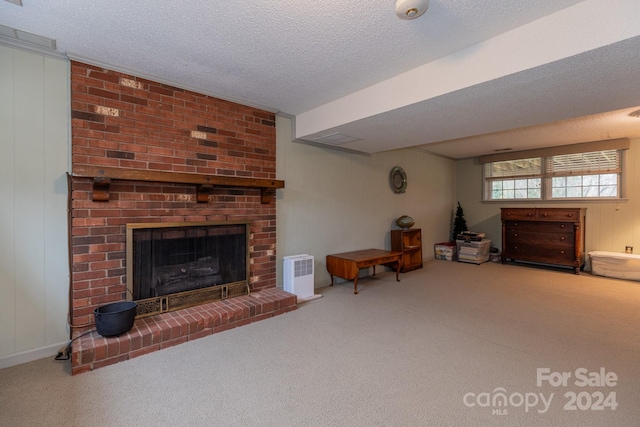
<point x="145" y="152"/>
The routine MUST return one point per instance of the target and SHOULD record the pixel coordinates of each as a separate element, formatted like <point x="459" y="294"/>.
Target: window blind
<point x="520" y="168"/>
<point x="610" y="144"/>
<point x="597" y="162"/>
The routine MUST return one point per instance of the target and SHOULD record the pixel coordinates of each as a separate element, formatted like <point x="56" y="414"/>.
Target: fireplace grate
<point x="162" y="304"/>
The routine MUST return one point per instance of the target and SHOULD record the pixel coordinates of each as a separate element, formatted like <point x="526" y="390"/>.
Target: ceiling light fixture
<point x="411" y="9"/>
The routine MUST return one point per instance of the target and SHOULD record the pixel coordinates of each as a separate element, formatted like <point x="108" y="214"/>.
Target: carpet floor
<point x="451" y="344"/>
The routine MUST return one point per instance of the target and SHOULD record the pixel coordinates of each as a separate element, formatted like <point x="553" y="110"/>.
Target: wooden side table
<point x="348" y="264"/>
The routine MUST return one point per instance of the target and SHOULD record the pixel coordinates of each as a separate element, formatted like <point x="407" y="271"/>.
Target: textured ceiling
<point x="300" y="57"/>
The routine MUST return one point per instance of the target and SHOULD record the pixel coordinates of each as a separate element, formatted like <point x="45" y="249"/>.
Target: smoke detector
<point x="411" y="9"/>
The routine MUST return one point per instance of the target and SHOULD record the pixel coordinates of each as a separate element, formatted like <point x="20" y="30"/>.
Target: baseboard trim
<point x="31" y="355"/>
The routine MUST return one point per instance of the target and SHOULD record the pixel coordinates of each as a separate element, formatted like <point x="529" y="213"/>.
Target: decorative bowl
<point x="405" y="221"/>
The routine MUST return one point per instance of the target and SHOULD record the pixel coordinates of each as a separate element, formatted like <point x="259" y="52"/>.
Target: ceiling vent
<point x="24" y="37"/>
<point x="336" y="139"/>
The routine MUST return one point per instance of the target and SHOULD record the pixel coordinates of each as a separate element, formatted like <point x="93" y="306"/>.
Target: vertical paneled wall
<point x="34" y="272"/>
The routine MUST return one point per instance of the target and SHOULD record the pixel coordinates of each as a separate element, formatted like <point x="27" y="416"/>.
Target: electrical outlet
<point x="628" y="249"/>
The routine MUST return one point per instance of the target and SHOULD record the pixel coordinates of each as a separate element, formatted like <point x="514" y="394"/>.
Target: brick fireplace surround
<point x="124" y="122"/>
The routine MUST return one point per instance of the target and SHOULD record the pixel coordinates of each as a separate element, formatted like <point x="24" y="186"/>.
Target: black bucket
<point x="116" y="318"/>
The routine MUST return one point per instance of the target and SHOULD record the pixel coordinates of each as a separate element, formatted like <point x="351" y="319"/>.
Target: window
<point x="514" y="179"/>
<point x="585" y="175"/>
<point x="555" y="175"/>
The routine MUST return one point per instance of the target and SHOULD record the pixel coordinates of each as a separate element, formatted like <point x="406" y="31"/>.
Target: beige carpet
<point x="431" y="350"/>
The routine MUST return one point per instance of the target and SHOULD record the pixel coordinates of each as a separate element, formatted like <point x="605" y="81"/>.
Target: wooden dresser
<point x="544" y="235"/>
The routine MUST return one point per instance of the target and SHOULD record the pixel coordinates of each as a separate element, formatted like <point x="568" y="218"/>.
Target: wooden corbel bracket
<point x="266" y="195"/>
<point x="202" y="193"/>
<point x="101" y="189"/>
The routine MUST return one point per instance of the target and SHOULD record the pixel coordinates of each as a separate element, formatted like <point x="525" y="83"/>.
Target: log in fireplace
<point x="177" y="265"/>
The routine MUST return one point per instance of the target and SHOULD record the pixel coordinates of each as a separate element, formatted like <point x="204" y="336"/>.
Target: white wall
<point x="610" y="225"/>
<point x="335" y="201"/>
<point x="34" y="267"/>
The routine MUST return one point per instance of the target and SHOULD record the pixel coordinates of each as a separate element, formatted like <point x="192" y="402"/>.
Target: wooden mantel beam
<point x="102" y="177"/>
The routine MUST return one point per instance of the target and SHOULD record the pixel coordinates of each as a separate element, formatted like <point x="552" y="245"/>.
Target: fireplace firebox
<point x="178" y="265"/>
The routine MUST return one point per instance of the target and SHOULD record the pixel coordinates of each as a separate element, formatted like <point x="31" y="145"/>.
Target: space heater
<point x="298" y="276"/>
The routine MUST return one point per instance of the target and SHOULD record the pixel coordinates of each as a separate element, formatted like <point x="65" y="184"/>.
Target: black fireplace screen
<point x="176" y="258"/>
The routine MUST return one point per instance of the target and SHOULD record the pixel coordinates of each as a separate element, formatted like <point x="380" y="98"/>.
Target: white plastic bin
<point x="473" y="252"/>
<point x="615" y="264"/>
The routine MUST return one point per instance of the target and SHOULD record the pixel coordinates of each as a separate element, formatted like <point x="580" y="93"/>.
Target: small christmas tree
<point x="459" y="223"/>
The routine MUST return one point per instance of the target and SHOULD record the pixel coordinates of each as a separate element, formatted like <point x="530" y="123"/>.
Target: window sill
<point x="556" y="201"/>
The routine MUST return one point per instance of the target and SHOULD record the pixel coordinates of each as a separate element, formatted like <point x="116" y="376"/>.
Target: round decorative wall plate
<point x="398" y="179"/>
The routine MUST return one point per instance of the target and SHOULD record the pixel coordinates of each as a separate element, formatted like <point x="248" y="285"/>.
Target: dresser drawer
<point x="540" y="253"/>
<point x="555" y="227"/>
<point x="519" y="213"/>
<point x="540" y="226"/>
<point x="565" y="240"/>
<point x="559" y="215"/>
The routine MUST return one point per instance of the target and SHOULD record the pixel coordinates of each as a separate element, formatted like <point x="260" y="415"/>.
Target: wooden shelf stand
<point x="409" y="242"/>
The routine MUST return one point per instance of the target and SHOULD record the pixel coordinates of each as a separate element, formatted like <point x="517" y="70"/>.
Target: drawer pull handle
<point x="545" y="214"/>
<point x="529" y="214"/>
<point x="562" y="226"/>
<point x="515" y="234"/>
<point x="562" y="252"/>
<point x="562" y="238"/>
<point x="570" y="215"/>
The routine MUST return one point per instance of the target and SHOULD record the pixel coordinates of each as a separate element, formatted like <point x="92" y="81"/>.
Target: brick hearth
<point x="165" y="330"/>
